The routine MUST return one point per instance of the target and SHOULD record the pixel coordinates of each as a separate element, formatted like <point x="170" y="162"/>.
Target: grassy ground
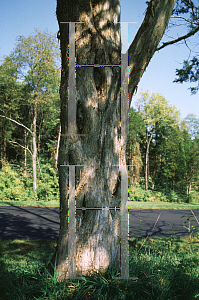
<point x="165" y="268"/>
<point x="131" y="204"/>
<point x="31" y="203"/>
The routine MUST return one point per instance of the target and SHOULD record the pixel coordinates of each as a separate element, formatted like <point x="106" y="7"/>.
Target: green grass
<point x="31" y="203"/>
<point x="161" y="205"/>
<point x="131" y="204"/>
<point x="166" y="269"/>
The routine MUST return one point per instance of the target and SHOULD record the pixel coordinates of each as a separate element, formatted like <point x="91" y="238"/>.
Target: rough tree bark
<point x="98" y="184"/>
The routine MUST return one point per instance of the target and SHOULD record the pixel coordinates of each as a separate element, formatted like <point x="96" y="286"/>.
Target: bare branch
<point x="20" y="146"/>
<point x="179" y="17"/>
<point x="30" y="153"/>
<point x="179" y="39"/>
<point x="17" y="123"/>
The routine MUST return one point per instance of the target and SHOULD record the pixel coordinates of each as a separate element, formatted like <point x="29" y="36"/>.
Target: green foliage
<point x="48" y="187"/>
<point x="194" y="197"/>
<point x="31" y="74"/>
<point x="138" y="193"/>
<point x="136" y="125"/>
<point x="12" y="186"/>
<point x="9" y="89"/>
<point x="36" y="58"/>
<point x="16" y="186"/>
<point x="192" y="125"/>
<point x="173" y="197"/>
<point x="173" y="155"/>
<point x="174" y="147"/>
<point x="159" y="119"/>
<point x="189" y="72"/>
<point x="156" y="112"/>
<point x="184" y="7"/>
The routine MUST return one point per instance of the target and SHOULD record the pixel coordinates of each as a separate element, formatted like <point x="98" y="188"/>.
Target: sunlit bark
<point x="98" y="182"/>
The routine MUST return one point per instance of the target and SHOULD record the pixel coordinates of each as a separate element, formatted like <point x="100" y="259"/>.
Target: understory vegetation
<point x="17" y="187"/>
<point x="165" y="269"/>
<point x="138" y="193"/>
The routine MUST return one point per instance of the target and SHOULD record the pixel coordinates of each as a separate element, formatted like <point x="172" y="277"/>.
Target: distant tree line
<point x="30" y="104"/>
<point x="164" y="149"/>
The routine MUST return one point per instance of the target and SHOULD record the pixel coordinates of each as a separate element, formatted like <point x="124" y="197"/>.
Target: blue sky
<point x="21" y="17"/>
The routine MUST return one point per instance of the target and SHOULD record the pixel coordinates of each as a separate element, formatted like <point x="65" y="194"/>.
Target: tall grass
<point x="166" y="269"/>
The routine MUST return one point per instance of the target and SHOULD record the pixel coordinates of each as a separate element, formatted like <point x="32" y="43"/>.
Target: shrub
<point x="194" y="198"/>
<point x="12" y="186"/>
<point x="137" y="194"/>
<point x="48" y="187"/>
<point x="16" y="186"/>
<point x="173" y="196"/>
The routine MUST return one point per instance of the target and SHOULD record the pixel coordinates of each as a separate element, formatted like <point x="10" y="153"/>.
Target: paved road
<point x="43" y="222"/>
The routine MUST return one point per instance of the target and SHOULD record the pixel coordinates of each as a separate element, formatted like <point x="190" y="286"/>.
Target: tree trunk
<point x="167" y="176"/>
<point x="147" y="160"/>
<point x="25" y="153"/>
<point x="39" y="141"/>
<point x="190" y="188"/>
<point x="187" y="184"/>
<point x="154" y="173"/>
<point x="34" y="156"/>
<point x="57" y="152"/>
<point x="98" y="181"/>
<point x="39" y="133"/>
<point x="135" y="161"/>
<point x="131" y="162"/>
<point x="137" y="164"/>
<point x="4" y="144"/>
<point x="173" y="180"/>
<point x="146" y="169"/>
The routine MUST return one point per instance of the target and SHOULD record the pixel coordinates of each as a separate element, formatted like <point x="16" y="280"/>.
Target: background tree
<point x="173" y="154"/>
<point x="10" y="96"/>
<point x="36" y="59"/>
<point x="192" y="125"/>
<point x="157" y="116"/>
<point x="133" y="154"/>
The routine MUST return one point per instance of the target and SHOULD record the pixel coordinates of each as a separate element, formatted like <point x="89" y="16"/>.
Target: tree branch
<point x="147" y="40"/>
<point x="17" y="123"/>
<point x="20" y="146"/>
<point x="30" y="153"/>
<point x="179" y="39"/>
<point x="188" y="21"/>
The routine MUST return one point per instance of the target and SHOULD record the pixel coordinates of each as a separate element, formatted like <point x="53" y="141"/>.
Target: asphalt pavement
<point x="18" y="222"/>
